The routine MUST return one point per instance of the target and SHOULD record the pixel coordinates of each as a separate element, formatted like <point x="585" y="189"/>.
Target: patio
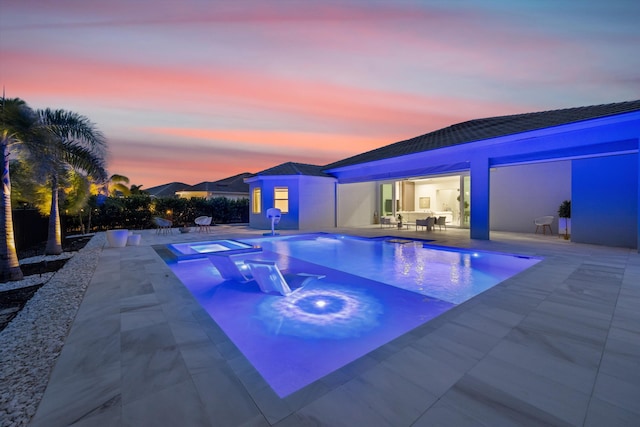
<point x="558" y="344"/>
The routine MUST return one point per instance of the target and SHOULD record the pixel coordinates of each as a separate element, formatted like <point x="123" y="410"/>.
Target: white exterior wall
<point x="290" y="219"/>
<point x="317" y="202"/>
<point x="519" y="194"/>
<point x="357" y="203"/>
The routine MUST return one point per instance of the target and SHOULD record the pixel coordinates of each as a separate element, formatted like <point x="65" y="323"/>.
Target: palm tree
<point x="117" y="185"/>
<point x="16" y="128"/>
<point x="136" y="190"/>
<point x="68" y="140"/>
<point x="77" y="195"/>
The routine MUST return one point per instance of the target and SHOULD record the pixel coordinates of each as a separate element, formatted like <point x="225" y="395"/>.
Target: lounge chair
<point x="231" y="266"/>
<point x="265" y="273"/>
<point x="270" y="278"/>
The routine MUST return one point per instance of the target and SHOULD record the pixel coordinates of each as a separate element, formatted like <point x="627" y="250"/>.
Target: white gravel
<point x="34" y="279"/>
<point x="31" y="343"/>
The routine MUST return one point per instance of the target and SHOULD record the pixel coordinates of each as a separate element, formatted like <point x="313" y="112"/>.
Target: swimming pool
<point x="371" y="291"/>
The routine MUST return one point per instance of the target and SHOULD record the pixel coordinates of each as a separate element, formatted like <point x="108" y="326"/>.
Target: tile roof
<point x="167" y="190"/>
<point x="232" y="184"/>
<point x="291" y="168"/>
<point x="480" y="129"/>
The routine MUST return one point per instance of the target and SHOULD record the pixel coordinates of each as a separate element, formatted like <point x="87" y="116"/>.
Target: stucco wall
<point x="289" y="220"/>
<point x="311" y="202"/>
<point x="317" y="202"/>
<point x="604" y="207"/>
<point x="519" y="194"/>
<point x="357" y="203"/>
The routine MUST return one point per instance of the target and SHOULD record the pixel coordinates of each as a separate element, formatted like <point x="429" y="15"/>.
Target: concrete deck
<point x="558" y="344"/>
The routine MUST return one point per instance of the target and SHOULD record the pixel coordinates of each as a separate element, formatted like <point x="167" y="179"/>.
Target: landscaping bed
<point x="32" y="341"/>
<point x="13" y="300"/>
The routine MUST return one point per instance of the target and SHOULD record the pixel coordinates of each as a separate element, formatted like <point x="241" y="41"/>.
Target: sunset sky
<point x="199" y="90"/>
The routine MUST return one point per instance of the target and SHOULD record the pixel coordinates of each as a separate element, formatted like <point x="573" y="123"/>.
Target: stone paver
<point x="556" y="344"/>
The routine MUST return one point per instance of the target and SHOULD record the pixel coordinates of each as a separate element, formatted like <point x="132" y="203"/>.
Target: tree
<point x="17" y="123"/>
<point x="67" y="140"/>
<point x="117" y="185"/>
<point x="23" y="186"/>
<point x="136" y="190"/>
<point x="76" y="196"/>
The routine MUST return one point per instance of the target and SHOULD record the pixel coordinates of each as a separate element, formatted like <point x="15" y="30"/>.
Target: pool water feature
<point x="373" y="291"/>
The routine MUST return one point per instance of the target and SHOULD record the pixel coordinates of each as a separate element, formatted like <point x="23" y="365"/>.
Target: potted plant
<point x="399" y="221"/>
<point x="564" y="212"/>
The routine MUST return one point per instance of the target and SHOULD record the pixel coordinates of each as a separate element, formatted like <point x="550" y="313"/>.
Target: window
<point x="281" y="198"/>
<point x="256" y="201"/>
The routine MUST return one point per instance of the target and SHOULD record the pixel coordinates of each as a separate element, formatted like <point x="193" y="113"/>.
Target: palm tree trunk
<point x="9" y="265"/>
<point x="54" y="240"/>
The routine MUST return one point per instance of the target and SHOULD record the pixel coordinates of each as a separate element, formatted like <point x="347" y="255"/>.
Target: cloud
<point x="91" y="14"/>
<point x="209" y="87"/>
<point x="277" y="141"/>
<point x="184" y="90"/>
<point x="152" y="164"/>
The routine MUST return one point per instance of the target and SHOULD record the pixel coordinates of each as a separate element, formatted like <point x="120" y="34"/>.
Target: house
<point x="495" y="173"/>
<point x="166" y="190"/>
<point x="232" y="188"/>
<point x="299" y="190"/>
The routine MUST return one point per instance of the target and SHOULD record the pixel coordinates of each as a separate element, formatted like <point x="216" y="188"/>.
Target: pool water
<point x="373" y="291"/>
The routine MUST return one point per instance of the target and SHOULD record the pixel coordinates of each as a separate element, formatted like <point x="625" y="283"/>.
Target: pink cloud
<point x="335" y="79"/>
<point x="196" y="91"/>
<point x="138" y="13"/>
<point x="339" y="145"/>
<point x="152" y="164"/>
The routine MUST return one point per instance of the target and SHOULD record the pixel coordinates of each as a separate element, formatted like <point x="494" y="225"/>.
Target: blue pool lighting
<point x="358" y="294"/>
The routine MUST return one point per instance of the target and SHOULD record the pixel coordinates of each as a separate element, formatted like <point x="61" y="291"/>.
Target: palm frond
<point x="118" y="178"/>
<point x="85" y="159"/>
<point x="67" y="125"/>
<point x="16" y="121"/>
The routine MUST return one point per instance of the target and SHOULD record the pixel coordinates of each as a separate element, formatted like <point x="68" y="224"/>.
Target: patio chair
<point x="385" y="220"/>
<point x="203" y="223"/>
<point x="427" y="223"/>
<point x="421" y="223"/>
<point x="544" y="222"/>
<point x="163" y="226"/>
<point x="442" y="220"/>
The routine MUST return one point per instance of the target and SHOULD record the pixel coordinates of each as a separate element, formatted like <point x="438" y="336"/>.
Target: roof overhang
<point x="597" y="137"/>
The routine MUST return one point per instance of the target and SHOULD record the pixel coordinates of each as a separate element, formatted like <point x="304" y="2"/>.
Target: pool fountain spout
<point x="273" y="214"/>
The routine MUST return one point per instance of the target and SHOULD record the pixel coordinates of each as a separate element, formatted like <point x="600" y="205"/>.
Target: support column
<point x="480" y="198"/>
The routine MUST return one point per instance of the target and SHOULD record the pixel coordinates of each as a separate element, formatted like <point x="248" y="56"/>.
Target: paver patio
<point x="558" y="344"/>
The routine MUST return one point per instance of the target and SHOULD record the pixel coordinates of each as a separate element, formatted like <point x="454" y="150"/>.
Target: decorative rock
<point x="31" y="343"/>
